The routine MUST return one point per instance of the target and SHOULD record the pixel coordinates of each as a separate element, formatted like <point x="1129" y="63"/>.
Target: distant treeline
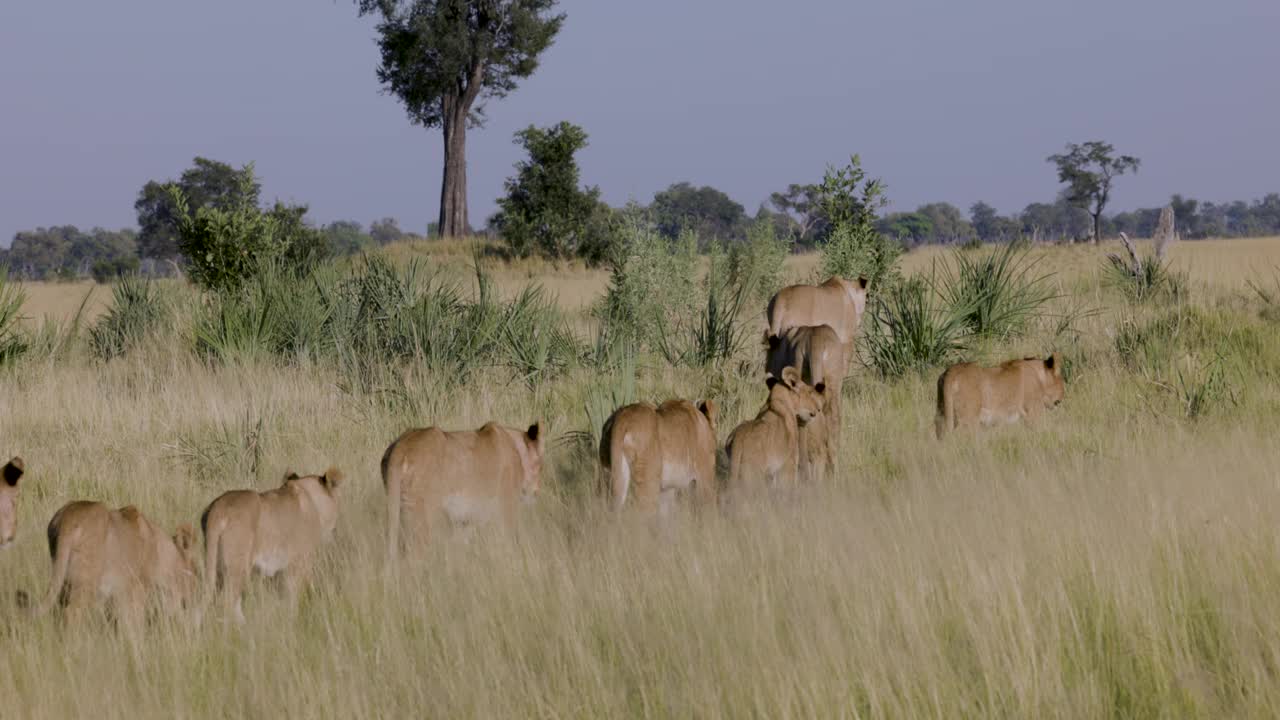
<point x="67" y="253"/>
<point x="799" y="212"/>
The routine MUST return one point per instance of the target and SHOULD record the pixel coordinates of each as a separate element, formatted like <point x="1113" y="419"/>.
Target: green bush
<point x="998" y="290"/>
<point x="544" y="210"/>
<point x="756" y="264"/>
<point x="13" y="343"/>
<point x="909" y="329"/>
<point x="137" y="310"/>
<point x="653" y="289"/>
<point x="855" y="247"/>
<point x="1155" y="279"/>
<point x="225" y="246"/>
<point x="240" y="326"/>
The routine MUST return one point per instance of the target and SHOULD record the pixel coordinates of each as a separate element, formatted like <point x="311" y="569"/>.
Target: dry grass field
<point x="1120" y="559"/>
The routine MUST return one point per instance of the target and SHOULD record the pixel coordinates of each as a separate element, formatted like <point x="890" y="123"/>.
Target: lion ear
<point x="790" y="376"/>
<point x="863" y="282"/>
<point x="332" y="478"/>
<point x="13" y="471"/>
<point x="535" y="431"/>
<point x="770" y="381"/>
<point x="291" y="475"/>
<point x="820" y="388"/>
<point x="185" y="537"/>
<point x="708" y="409"/>
<point x="1053" y="363"/>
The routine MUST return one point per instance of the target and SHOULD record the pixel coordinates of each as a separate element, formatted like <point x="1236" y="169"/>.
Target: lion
<point x="971" y="395"/>
<point x="765" y="451"/>
<point x="653" y="452"/>
<point x="12" y="473"/>
<point x="821" y="359"/>
<point x="466" y="478"/>
<point x="272" y="532"/>
<point x="836" y="302"/>
<point x="119" y="557"/>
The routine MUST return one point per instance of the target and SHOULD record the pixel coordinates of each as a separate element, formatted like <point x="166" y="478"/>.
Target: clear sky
<point x="944" y="99"/>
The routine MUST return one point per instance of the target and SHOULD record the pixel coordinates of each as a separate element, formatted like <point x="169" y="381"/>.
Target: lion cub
<point x="765" y="451"/>
<point x="272" y="532"/>
<point x="119" y="557"/>
<point x="970" y="395"/>
<point x="820" y="357"/>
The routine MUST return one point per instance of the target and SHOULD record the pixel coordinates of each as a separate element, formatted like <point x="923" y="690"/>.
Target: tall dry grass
<point x="1122" y="559"/>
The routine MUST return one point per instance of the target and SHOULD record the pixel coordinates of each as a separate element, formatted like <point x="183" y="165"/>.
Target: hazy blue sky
<point x="945" y="100"/>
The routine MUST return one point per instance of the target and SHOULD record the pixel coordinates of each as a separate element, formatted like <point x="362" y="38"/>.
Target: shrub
<point x="137" y="311"/>
<point x="855" y="248"/>
<point x="239" y="326"/>
<point x="104" y="270"/>
<point x="382" y="315"/>
<point x="718" y="332"/>
<point x="756" y="264"/>
<point x="997" y="290"/>
<point x="544" y="210"/>
<point x="909" y="329"/>
<point x="225" y="246"/>
<point x="653" y="288"/>
<point x="1155" y="278"/>
<point x="13" y="344"/>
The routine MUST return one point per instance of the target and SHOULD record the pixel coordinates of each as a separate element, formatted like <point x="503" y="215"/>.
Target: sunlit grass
<point x="1121" y="559"/>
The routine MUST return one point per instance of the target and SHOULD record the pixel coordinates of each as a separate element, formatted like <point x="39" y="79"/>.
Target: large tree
<point x="445" y="58"/>
<point x="1088" y="171"/>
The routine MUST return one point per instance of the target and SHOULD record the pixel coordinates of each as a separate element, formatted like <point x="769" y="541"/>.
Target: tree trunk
<point x="1097" y="228"/>
<point x="453" y="188"/>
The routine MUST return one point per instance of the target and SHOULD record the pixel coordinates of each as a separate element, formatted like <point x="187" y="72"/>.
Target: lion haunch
<point x="102" y="555"/>
<point x="464" y="478"/>
<point x="278" y="531"/>
<point x="970" y="395"/>
<point x="652" y="452"/>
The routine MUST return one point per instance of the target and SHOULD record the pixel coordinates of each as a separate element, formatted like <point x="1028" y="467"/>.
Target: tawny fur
<point x="971" y="395"/>
<point x="821" y="359"/>
<point x="653" y="452"/>
<point x="765" y="452"/>
<point x="9" y="477"/>
<point x="272" y="532"/>
<point x="436" y="478"/>
<point x="119" y="557"/>
<point x="837" y="302"/>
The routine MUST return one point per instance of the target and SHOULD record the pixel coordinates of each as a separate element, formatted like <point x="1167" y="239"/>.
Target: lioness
<point x="269" y="532"/>
<point x="652" y="452"/>
<point x="117" y="556"/>
<point x="836" y="302"/>
<point x="12" y="473"/>
<point x="464" y="477"/>
<point x="766" y="450"/>
<point x="821" y="359"/>
<point x="969" y="394"/>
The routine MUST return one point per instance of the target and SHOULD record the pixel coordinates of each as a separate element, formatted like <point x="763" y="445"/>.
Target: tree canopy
<point x="444" y="59"/>
<point x="207" y="183"/>
<point x="1088" y="171"/>
<point x="544" y="209"/>
<point x="707" y="211"/>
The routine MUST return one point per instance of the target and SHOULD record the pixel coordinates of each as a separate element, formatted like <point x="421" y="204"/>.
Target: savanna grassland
<point x="1119" y="559"/>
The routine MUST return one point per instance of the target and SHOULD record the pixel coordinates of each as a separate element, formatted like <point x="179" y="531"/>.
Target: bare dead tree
<point x="1164" y="237"/>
